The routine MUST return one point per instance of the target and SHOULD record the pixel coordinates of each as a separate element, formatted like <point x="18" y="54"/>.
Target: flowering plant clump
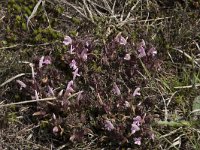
<point x="99" y="93"/>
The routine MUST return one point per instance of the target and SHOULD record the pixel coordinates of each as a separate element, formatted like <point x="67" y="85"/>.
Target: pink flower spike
<point x="152" y="136"/>
<point x="120" y="39"/>
<point x="55" y="130"/>
<point x="136" y="92"/>
<point x="41" y="62"/>
<point x="137" y="120"/>
<point x="108" y="125"/>
<point x="67" y="40"/>
<point x="134" y="128"/>
<point x="142" y="52"/>
<point x="60" y="93"/>
<point x="73" y="65"/>
<point x="143" y="43"/>
<point x="80" y="96"/>
<point x="127" y="104"/>
<point x="47" y="62"/>
<point x="84" y="54"/>
<point x="152" y="52"/>
<point x="75" y="74"/>
<point x="69" y="86"/>
<point x="137" y="141"/>
<point x="50" y="91"/>
<point x="87" y="44"/>
<point x="127" y="57"/>
<point x="54" y="116"/>
<point x="116" y="89"/>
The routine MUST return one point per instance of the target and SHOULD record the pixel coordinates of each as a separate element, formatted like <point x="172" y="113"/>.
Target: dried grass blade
<point x="33" y="12"/>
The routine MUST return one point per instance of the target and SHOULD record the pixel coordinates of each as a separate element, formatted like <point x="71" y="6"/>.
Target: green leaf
<point x="182" y="123"/>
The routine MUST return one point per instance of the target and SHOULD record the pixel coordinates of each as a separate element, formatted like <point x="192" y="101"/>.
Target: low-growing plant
<point x="99" y="93"/>
<point x="125" y="76"/>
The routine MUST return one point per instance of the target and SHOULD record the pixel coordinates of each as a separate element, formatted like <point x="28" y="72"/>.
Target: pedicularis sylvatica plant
<point x="100" y="93"/>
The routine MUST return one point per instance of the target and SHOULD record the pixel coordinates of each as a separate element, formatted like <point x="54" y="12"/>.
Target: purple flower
<point x="54" y="116"/>
<point x="73" y="65"/>
<point x="152" y="51"/>
<point x="116" y="89"/>
<point x="55" y="130"/>
<point x="41" y="62"/>
<point x="143" y="43"/>
<point x="50" y="91"/>
<point x="80" y="96"/>
<point x="69" y="87"/>
<point x="134" y="128"/>
<point x="136" y="92"/>
<point x="152" y="136"/>
<point x="75" y="74"/>
<point x="137" y="141"/>
<point x="67" y="40"/>
<point x="137" y="120"/>
<point x="127" y="104"/>
<point x="141" y="49"/>
<point x="84" y="54"/>
<point x="45" y="61"/>
<point x="87" y="44"/>
<point x="127" y="57"/>
<point x="120" y="39"/>
<point x="108" y="125"/>
<point x="60" y="93"/>
<point x="142" y="52"/>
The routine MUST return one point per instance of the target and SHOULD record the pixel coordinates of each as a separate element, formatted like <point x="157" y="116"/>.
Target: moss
<point x="59" y="10"/>
<point x="134" y="35"/>
<point x="45" y="40"/>
<point x="24" y="27"/>
<point x="12" y="117"/>
<point x="27" y="10"/>
<point x="17" y="8"/>
<point x="46" y="35"/>
<point x="8" y="29"/>
<point x="38" y="37"/>
<point x="18" y="21"/>
<point x="4" y="42"/>
<point x="76" y="20"/>
<point x="73" y="33"/>
<point x="95" y="67"/>
<point x="44" y="124"/>
<point x="10" y="2"/>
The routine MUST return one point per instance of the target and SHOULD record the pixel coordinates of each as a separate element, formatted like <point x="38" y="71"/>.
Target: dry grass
<point x="168" y="90"/>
